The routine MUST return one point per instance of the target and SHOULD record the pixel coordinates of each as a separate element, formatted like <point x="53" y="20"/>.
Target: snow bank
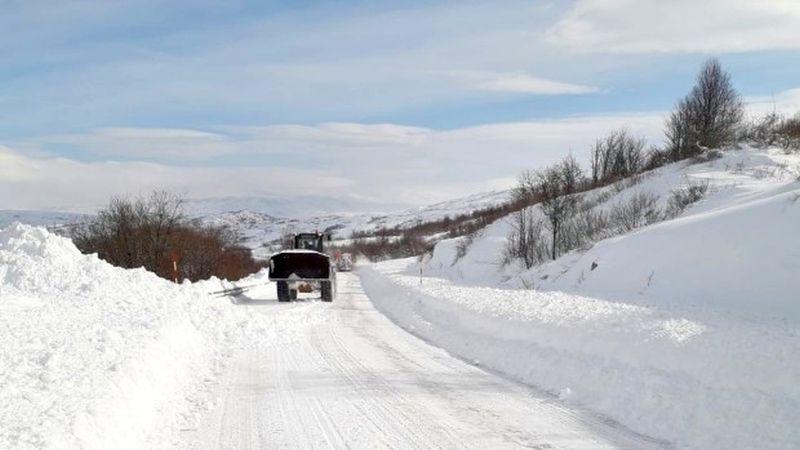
<point x="95" y="356"/>
<point x="698" y="382"/>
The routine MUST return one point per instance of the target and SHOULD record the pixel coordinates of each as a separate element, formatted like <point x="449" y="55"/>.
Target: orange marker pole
<point x="174" y="259"/>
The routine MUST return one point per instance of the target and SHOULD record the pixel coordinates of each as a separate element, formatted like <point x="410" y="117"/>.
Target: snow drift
<point x="696" y="381"/>
<point x="94" y="356"/>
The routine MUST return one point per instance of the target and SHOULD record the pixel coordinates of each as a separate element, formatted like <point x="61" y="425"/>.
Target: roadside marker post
<point x="174" y="258"/>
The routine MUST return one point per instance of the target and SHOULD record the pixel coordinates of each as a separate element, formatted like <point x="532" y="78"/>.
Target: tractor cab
<point x="309" y="241"/>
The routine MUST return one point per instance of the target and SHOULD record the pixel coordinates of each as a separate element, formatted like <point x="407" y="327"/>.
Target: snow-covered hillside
<point x="686" y="329"/>
<point x="94" y="356"/>
<point x="260" y="229"/>
<point x="39" y="218"/>
<point x="734" y="249"/>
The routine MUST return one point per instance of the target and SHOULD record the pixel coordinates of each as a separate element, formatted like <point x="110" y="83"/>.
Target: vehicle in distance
<point x="304" y="268"/>
<point x="344" y="262"/>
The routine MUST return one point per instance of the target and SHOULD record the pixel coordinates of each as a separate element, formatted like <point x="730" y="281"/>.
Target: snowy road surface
<point x="359" y="381"/>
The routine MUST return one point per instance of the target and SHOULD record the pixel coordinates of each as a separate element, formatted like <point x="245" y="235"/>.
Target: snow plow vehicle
<point x="304" y="268"/>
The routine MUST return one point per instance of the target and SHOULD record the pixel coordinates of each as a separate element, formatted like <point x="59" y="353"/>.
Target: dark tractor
<point x="303" y="269"/>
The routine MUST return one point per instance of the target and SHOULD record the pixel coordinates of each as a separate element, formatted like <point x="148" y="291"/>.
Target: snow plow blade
<point x="299" y="265"/>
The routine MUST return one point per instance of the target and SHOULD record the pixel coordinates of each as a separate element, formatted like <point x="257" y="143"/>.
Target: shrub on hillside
<point x="640" y="210"/>
<point x="682" y="198"/>
<point x="583" y="229"/>
<point x="464" y="244"/>
<point x="149" y="232"/>
<point x="774" y="129"/>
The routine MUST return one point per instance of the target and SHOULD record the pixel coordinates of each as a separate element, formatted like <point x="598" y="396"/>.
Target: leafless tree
<point x="526" y="190"/>
<point x="557" y="188"/>
<point x="618" y="155"/>
<point x="526" y="242"/>
<point x="708" y="117"/>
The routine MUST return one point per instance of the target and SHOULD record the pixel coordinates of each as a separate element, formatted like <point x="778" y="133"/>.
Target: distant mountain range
<point x="261" y="221"/>
<point x="261" y="230"/>
<point x="38" y="218"/>
<point x="294" y="207"/>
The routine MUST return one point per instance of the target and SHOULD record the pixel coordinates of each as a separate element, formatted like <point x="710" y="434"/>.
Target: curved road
<point x="359" y="381"/>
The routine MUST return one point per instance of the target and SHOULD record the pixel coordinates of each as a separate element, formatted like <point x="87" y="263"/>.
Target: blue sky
<point x="387" y="102"/>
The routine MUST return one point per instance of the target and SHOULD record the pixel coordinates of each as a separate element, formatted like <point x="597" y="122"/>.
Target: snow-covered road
<point x="359" y="381"/>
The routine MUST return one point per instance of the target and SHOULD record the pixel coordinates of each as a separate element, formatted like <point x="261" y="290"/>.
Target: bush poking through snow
<point x="774" y="129"/>
<point x="682" y="198"/>
<point x="640" y="210"/>
<point x="465" y="243"/>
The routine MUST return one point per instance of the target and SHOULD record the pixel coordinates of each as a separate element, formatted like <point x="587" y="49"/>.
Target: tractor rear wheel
<point x="283" y="291"/>
<point x="326" y="287"/>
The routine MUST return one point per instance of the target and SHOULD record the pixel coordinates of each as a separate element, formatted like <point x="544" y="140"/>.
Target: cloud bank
<point x="678" y="26"/>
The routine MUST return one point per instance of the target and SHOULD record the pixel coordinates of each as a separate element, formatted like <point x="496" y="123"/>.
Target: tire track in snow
<point x="355" y="380"/>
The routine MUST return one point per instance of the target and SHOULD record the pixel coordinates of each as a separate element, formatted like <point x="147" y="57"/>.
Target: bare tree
<point x="160" y="214"/>
<point x="618" y="155"/>
<point x="572" y="177"/>
<point x="526" y="242"/>
<point x="557" y="187"/>
<point x="527" y="187"/>
<point x="708" y="117"/>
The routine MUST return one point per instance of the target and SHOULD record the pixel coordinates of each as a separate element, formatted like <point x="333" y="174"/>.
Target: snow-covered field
<point x="95" y="356"/>
<point x="687" y="330"/>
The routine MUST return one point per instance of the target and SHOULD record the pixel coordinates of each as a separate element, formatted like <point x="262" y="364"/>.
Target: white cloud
<point x="645" y="26"/>
<point x="31" y="183"/>
<point x="786" y="103"/>
<point x="332" y="133"/>
<point x="519" y="82"/>
<point x="147" y="143"/>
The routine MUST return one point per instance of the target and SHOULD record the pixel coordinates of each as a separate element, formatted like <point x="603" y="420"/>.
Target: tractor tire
<point x="284" y="295"/>
<point x="326" y="287"/>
